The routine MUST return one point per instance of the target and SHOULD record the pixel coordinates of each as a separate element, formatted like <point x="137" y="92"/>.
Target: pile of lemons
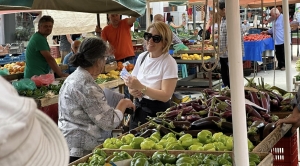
<point x="193" y="57"/>
<point x="112" y="74"/>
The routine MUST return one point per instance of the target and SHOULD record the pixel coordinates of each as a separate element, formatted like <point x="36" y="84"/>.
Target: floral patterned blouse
<point x="85" y="118"/>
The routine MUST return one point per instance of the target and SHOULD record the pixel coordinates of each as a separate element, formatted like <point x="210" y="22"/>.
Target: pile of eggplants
<point x="213" y="112"/>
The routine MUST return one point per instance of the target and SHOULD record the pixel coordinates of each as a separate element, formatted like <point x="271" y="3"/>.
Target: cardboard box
<point x="185" y="96"/>
<point x="111" y="66"/>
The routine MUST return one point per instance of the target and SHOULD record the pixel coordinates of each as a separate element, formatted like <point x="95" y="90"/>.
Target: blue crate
<point x="22" y="56"/>
<point x="192" y="70"/>
<point x="7" y="59"/>
<point x="270" y="66"/>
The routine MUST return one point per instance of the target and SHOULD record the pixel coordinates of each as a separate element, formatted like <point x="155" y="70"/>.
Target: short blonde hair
<point x="165" y="32"/>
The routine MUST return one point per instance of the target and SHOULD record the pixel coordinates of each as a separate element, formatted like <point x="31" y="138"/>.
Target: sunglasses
<point x="155" y="38"/>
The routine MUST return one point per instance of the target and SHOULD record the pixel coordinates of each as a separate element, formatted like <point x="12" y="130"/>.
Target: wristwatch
<point x="144" y="89"/>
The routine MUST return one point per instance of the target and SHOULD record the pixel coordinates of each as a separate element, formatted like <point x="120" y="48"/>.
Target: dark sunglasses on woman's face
<point x="155" y="38"/>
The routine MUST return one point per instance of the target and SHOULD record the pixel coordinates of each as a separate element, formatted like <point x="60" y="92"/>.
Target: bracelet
<point x="144" y="89"/>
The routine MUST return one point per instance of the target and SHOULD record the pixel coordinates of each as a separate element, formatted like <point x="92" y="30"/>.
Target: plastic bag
<point x="180" y="46"/>
<point x="4" y="72"/>
<point x="43" y="80"/>
<point x="24" y="84"/>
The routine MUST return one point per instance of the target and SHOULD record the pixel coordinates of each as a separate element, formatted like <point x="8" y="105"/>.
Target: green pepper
<point x="252" y="163"/>
<point x="250" y="146"/>
<point x="124" y="155"/>
<point x="198" y="156"/>
<point x="158" y="147"/>
<point x="97" y="161"/>
<point x="163" y="142"/>
<point x="168" y="158"/>
<point x="211" y="162"/>
<point x="196" y="142"/>
<point x="183" y="160"/>
<point x="209" y="147"/>
<point x="169" y="135"/>
<point x="158" y="155"/>
<point x="184" y="164"/>
<point x="126" y="139"/>
<point x="225" y="156"/>
<point x="219" y="146"/>
<point x="141" y="162"/>
<point x="139" y="154"/>
<point x="158" y="164"/>
<point x="186" y="140"/>
<point x="136" y="142"/>
<point x="229" y="144"/>
<point x="126" y="147"/>
<point x="29" y="93"/>
<point x="118" y="143"/>
<point x="174" y="146"/>
<point x="100" y="152"/>
<point x="196" y="147"/>
<point x="204" y="136"/>
<point x="83" y="164"/>
<point x="155" y="136"/>
<point x="223" y="161"/>
<point x="216" y="137"/>
<point x="182" y="155"/>
<point x="169" y="164"/>
<point x="171" y="139"/>
<point x="147" y="145"/>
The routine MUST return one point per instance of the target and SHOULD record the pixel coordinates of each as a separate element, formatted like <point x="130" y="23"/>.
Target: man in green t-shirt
<point x="38" y="57"/>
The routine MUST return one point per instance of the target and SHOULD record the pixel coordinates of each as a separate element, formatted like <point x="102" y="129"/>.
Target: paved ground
<point x="280" y="76"/>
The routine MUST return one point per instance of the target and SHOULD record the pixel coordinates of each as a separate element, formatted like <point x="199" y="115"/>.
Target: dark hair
<point x="90" y="50"/>
<point x="221" y="4"/>
<point x="170" y="19"/>
<point x="45" y="19"/>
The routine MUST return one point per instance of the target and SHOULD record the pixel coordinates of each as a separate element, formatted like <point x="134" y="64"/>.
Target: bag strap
<point x="144" y="58"/>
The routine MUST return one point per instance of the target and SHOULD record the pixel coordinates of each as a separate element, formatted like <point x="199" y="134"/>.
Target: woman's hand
<point x="125" y="103"/>
<point x="133" y="83"/>
<point x="135" y="93"/>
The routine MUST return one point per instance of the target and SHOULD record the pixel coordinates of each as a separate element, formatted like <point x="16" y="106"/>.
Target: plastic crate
<point x="246" y="64"/>
<point x="7" y="59"/>
<point x="285" y="151"/>
<point x="270" y="66"/>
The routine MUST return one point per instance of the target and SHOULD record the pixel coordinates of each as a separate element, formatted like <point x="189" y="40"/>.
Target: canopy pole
<point x="234" y="40"/>
<point x="148" y="14"/>
<point x="287" y="46"/>
<point x="194" y="18"/>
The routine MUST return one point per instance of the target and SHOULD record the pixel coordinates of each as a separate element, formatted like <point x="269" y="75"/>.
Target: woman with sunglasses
<point x="85" y="118"/>
<point x="154" y="76"/>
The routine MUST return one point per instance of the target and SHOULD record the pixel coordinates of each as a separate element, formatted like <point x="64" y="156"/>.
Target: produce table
<point x="253" y="49"/>
<point x="113" y="84"/>
<point x="203" y="83"/>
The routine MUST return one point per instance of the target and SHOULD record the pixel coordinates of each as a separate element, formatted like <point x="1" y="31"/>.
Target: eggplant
<point x="264" y="101"/>
<point x="254" y="98"/>
<point x="265" y="115"/>
<point x="182" y="111"/>
<point x="198" y="107"/>
<point x="225" y="126"/>
<point x="257" y="127"/>
<point x="252" y="112"/>
<point x="174" y="107"/>
<point x="163" y="130"/>
<point x="181" y="118"/>
<point x="205" y="123"/>
<point x="274" y="103"/>
<point x="268" y="129"/>
<point x="193" y="117"/>
<point x="184" y="125"/>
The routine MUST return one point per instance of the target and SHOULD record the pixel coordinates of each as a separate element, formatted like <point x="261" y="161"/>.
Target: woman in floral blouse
<point x="85" y="118"/>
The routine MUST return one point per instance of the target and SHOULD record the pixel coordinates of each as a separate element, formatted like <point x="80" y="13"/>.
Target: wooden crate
<point x="43" y="102"/>
<point x="14" y="76"/>
<point x="266" y="158"/>
<point x="113" y="84"/>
